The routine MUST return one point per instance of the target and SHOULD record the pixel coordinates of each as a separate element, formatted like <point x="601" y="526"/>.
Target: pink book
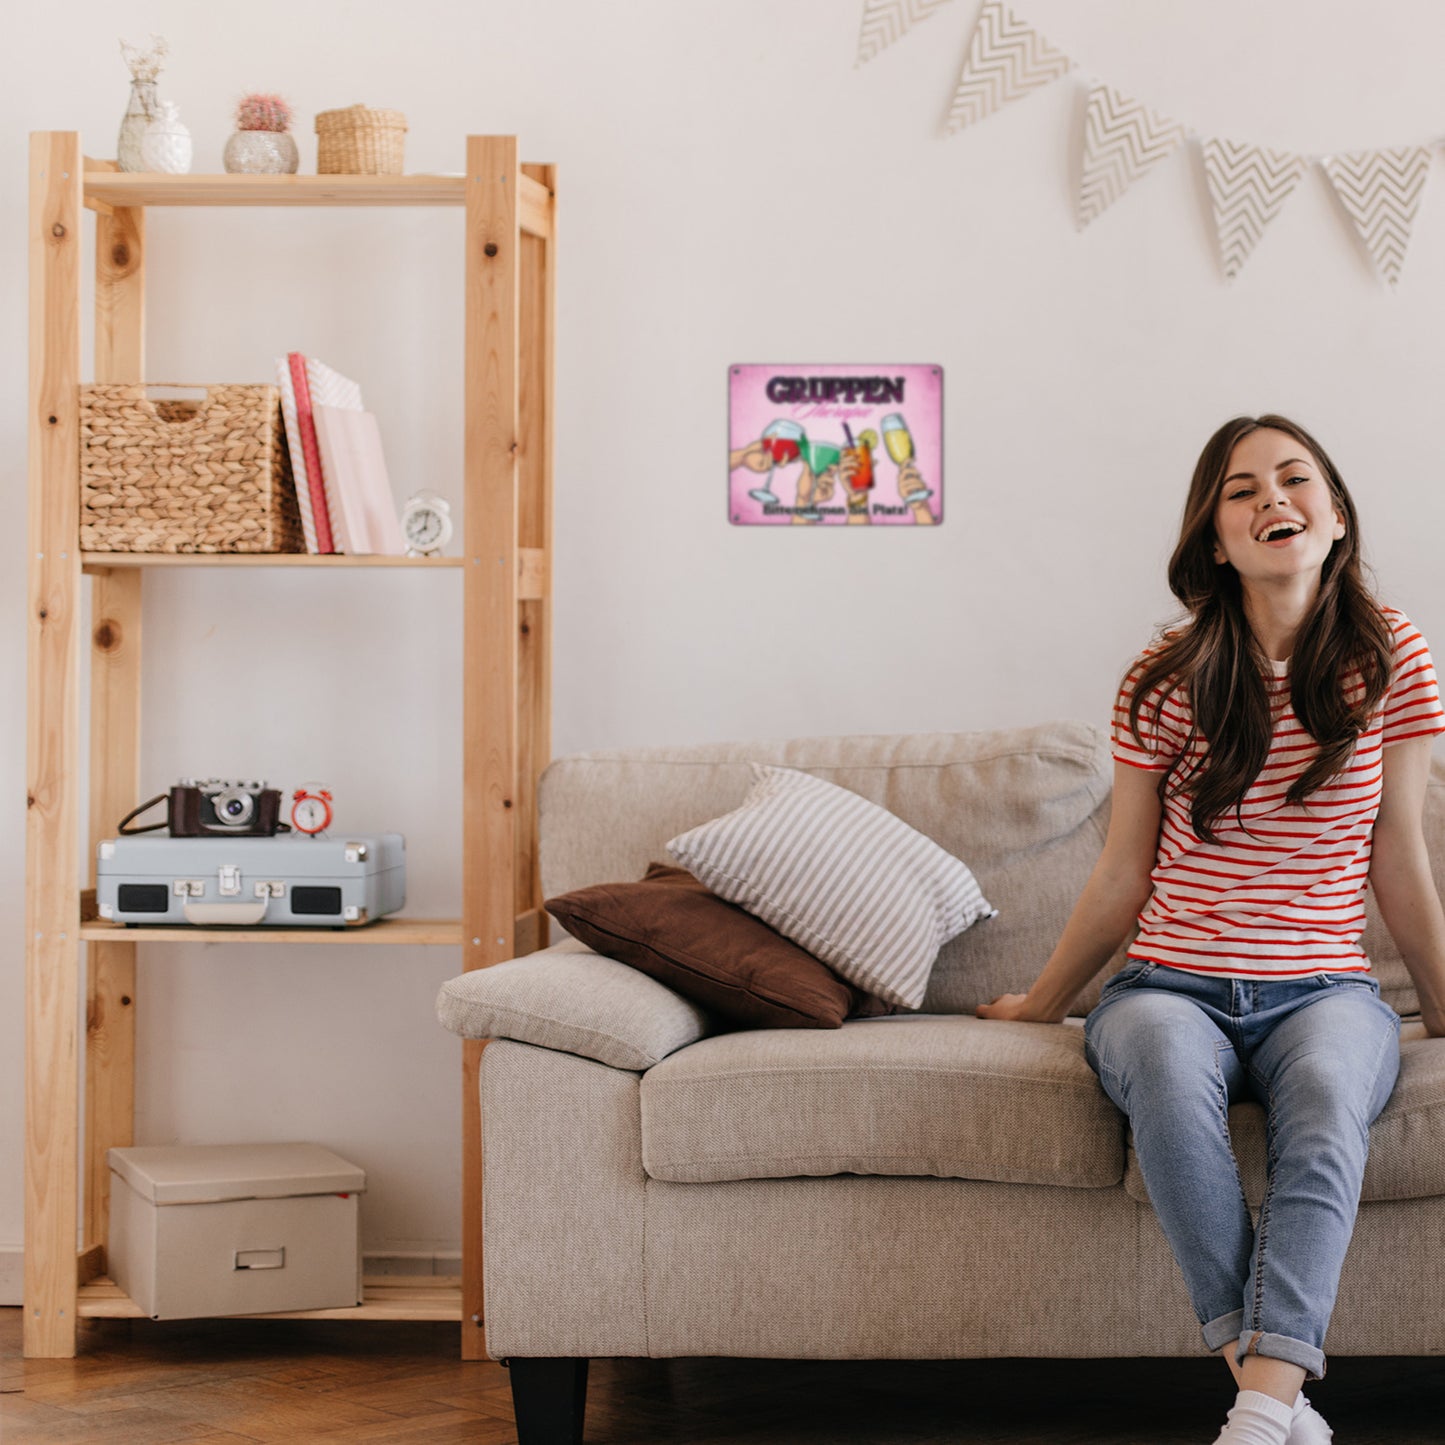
<point x="306" y="425"/>
<point x="363" y="510"/>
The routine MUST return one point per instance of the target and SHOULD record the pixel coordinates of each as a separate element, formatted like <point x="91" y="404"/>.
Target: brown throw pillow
<point x="670" y="927"/>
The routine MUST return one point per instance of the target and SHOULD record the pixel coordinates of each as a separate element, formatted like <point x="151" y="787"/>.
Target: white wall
<point x="732" y="189"/>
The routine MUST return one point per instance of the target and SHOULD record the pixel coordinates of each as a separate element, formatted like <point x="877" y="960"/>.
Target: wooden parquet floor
<point x="140" y="1383"/>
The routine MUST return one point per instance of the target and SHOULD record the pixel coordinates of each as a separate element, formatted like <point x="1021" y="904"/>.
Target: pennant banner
<point x="1007" y="58"/>
<point x="1248" y="186"/>
<point x="1381" y="190"/>
<point x="1122" y="140"/>
<point x="885" y="21"/>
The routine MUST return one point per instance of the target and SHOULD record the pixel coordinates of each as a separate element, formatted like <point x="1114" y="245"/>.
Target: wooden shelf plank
<point x="93" y="561"/>
<point x="386" y="1297"/>
<point x="532" y="565"/>
<point x="145" y="188"/>
<point x="385" y="930"/>
<point x="106" y="188"/>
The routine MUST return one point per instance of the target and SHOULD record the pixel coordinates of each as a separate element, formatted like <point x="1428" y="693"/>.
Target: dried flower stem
<point x="145" y="64"/>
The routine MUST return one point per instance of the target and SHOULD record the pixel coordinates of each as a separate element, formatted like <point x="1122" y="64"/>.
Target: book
<point x="327" y="387"/>
<point x="308" y="471"/>
<point x="297" y="453"/>
<point x="364" y="510"/>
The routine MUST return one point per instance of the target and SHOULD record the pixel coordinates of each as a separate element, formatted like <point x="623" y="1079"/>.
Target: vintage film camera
<point x="214" y="806"/>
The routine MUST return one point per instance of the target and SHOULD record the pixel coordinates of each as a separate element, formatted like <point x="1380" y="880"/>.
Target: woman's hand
<point x="1011" y="1006"/>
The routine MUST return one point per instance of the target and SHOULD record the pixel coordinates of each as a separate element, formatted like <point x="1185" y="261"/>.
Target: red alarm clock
<point x="311" y="809"/>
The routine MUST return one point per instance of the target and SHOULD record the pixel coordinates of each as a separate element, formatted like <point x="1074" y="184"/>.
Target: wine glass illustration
<point x="898" y="441"/>
<point x="783" y="441"/>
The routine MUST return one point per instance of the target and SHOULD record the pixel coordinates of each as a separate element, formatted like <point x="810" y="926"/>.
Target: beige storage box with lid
<point x="235" y="1229"/>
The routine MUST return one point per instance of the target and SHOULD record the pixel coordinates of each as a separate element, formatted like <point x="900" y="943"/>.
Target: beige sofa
<point x="915" y="1186"/>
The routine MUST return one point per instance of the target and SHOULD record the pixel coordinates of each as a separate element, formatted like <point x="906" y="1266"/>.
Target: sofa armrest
<point x="575" y="1001"/>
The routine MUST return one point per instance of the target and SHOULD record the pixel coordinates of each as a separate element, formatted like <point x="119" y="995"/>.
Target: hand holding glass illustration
<point x="899" y="443"/>
<point x="915" y="494"/>
<point x="782" y="442"/>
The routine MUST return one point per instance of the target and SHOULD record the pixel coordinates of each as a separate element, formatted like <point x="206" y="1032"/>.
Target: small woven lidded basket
<point x="186" y="476"/>
<point x="359" y="142"/>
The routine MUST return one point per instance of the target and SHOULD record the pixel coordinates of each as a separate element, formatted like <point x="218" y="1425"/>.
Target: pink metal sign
<point x="839" y="444"/>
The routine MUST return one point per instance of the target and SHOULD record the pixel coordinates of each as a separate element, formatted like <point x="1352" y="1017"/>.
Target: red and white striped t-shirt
<point x="1285" y="899"/>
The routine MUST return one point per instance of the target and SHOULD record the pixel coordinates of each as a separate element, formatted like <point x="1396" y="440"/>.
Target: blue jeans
<point x="1173" y="1050"/>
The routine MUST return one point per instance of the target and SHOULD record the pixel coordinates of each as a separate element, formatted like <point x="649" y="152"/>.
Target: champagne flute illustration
<point x="898" y="441"/>
<point x="783" y="440"/>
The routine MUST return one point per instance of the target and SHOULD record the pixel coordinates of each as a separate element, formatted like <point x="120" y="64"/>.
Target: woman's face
<point x="1275" y="518"/>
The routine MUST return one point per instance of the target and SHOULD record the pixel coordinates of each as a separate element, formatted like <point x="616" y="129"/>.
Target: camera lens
<point x="234" y="807"/>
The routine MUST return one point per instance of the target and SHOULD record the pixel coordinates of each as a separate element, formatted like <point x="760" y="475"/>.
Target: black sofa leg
<point x="549" y="1398"/>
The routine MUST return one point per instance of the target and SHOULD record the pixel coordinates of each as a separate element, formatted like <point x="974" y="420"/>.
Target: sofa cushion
<point x="846" y="879"/>
<point x="674" y="929"/>
<point x="1407" y="1141"/>
<point x="575" y="1001"/>
<point x="951" y="1097"/>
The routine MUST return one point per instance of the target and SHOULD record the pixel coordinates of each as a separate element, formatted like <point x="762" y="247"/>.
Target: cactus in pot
<point x="262" y="143"/>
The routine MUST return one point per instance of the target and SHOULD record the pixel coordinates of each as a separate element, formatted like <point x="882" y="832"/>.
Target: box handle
<point x="260" y="1259"/>
<point x="151" y="404"/>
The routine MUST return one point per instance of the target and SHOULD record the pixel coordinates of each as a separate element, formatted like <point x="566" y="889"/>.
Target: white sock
<point x="1257" y="1419"/>
<point x="1307" y="1425"/>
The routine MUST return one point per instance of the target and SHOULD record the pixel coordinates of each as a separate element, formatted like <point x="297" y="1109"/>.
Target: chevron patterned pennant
<point x="1122" y="140"/>
<point x="1381" y="190"/>
<point x="885" y="21"/>
<point x="1007" y="58"/>
<point x="1248" y="186"/>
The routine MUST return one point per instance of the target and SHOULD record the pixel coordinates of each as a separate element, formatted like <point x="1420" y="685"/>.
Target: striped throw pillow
<point x="843" y="878"/>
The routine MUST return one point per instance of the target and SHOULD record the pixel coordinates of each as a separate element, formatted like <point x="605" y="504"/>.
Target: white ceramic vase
<point x="261" y="152"/>
<point x="166" y="146"/>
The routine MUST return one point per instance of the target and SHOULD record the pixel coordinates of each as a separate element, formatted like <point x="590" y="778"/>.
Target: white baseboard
<point x="411" y="1263"/>
<point x="12" y="1274"/>
<point x="12" y="1268"/>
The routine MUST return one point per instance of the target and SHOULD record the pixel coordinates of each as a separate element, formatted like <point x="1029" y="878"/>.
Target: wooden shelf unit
<point x="509" y="288"/>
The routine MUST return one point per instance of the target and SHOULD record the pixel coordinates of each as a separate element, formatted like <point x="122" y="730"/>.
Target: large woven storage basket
<point x="186" y="476"/>
<point x="359" y="142"/>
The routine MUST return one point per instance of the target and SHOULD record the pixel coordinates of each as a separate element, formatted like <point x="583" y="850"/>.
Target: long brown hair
<point x="1219" y="663"/>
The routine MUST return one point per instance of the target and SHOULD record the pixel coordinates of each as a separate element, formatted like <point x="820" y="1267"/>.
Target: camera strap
<point x="144" y="807"/>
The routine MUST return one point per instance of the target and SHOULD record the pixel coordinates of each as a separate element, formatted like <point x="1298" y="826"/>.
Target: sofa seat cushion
<point x="952" y="1097"/>
<point x="1407" y="1141"/>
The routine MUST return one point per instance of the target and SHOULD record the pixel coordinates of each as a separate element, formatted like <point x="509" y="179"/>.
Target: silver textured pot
<point x="261" y="153"/>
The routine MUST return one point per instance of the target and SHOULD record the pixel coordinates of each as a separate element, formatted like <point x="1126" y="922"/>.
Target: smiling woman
<point x="1301" y="599"/>
<point x="1271" y="758"/>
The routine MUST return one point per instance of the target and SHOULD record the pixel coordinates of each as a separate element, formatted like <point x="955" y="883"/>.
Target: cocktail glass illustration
<point x="819" y="456"/>
<point x="862" y="453"/>
<point x="898" y="441"/>
<point x="783" y="441"/>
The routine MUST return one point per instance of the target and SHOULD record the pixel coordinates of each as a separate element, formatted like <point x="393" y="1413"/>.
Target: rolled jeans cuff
<point x="1223" y="1331"/>
<point x="1282" y="1347"/>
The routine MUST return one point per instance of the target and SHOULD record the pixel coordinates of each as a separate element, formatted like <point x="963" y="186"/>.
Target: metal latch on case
<point x="228" y="877"/>
<point x="260" y="1259"/>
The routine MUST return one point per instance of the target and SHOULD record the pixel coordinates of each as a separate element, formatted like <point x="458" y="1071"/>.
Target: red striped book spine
<point x="306" y="424"/>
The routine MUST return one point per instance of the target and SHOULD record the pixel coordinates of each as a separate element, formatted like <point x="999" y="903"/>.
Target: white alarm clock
<point x="311" y="809"/>
<point x="426" y="524"/>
